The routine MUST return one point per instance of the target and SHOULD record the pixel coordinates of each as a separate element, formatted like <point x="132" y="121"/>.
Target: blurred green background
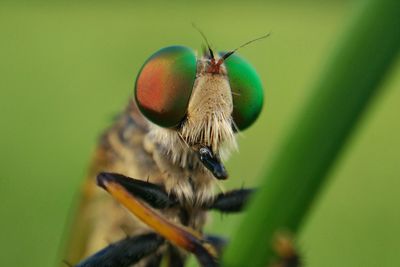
<point x="68" y="68"/>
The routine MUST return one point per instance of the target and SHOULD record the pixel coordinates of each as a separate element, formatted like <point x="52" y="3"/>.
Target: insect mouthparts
<point x="212" y="163"/>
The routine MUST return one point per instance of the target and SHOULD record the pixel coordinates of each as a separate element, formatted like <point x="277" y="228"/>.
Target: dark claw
<point x="212" y="163"/>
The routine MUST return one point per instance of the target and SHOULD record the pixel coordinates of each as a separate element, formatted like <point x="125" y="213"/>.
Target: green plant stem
<point x="289" y="186"/>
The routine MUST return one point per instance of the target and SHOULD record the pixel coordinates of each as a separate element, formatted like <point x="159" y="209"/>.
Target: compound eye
<point x="164" y="85"/>
<point x="247" y="91"/>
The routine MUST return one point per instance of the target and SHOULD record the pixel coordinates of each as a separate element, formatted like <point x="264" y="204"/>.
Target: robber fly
<point x="160" y="160"/>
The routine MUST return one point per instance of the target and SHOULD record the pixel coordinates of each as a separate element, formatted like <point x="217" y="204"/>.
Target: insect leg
<point x="152" y="194"/>
<point x="232" y="201"/>
<point x="177" y="234"/>
<point x="125" y="252"/>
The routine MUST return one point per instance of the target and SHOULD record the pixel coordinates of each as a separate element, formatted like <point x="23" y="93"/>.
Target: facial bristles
<point x="214" y="131"/>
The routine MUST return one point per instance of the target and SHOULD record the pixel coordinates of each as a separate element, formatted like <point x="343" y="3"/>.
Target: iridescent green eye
<point x="164" y="85"/>
<point x="247" y="91"/>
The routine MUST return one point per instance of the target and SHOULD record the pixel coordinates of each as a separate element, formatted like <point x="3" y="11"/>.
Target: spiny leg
<point x="232" y="201"/>
<point x="119" y="187"/>
<point x="125" y="252"/>
<point x="156" y="197"/>
<point x="152" y="194"/>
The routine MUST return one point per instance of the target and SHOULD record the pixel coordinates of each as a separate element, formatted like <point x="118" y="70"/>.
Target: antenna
<point x="205" y="39"/>
<point x="224" y="57"/>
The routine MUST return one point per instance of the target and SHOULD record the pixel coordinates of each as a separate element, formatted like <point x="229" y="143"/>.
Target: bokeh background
<point x="67" y="68"/>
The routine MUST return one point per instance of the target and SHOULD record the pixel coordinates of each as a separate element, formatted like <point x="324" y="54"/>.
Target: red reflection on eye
<point x="151" y="84"/>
